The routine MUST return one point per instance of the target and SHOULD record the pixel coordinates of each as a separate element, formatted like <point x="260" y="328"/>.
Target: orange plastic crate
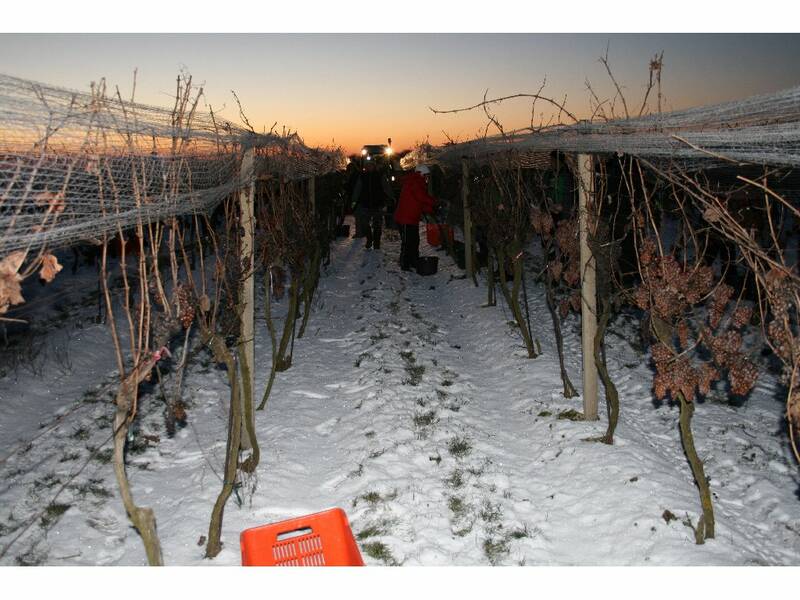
<point x="323" y="539"/>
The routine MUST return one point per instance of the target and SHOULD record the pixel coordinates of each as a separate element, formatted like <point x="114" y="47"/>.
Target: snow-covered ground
<point x="415" y="409"/>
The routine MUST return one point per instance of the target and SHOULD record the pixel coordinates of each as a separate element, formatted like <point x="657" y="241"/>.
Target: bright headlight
<point x="363" y="152"/>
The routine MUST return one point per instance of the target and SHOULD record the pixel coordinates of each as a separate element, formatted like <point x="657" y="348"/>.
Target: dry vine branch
<point x="604" y="61"/>
<point x="559" y="105"/>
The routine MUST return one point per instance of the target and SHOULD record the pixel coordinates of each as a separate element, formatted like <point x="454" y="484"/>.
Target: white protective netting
<point x="763" y="129"/>
<point x="75" y="166"/>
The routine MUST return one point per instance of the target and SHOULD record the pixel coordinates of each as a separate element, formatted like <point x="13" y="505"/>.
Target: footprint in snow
<point x="308" y="394"/>
<point x="336" y="386"/>
<point x="326" y="427"/>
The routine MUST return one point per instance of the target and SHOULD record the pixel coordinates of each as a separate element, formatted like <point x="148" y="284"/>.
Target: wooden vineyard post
<point x="588" y="286"/>
<point x="247" y="345"/>
<point x="312" y="195"/>
<point x="468" y="241"/>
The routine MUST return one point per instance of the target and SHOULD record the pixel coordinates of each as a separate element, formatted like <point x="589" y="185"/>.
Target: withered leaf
<point x="10" y="289"/>
<point x="54" y="202"/>
<point x="50" y="268"/>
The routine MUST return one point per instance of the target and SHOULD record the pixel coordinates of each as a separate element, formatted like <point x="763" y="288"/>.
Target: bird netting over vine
<point x="75" y="166"/>
<point x="761" y="130"/>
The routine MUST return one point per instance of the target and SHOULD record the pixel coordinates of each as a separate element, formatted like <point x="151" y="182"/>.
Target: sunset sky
<point x="352" y="89"/>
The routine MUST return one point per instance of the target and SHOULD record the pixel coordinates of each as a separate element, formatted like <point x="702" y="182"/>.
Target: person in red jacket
<point x="414" y="201"/>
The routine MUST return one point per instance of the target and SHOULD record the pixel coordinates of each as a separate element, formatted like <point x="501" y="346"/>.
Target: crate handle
<point x="288" y="535"/>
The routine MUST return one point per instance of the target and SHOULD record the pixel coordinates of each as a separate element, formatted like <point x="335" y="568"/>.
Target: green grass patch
<point x="570" y="415"/>
<point x="52" y="514"/>
<point x="519" y="533"/>
<point x="373" y="530"/>
<point x="456" y="404"/>
<point x="48" y="481"/>
<point x="377" y="337"/>
<point x="31" y="558"/>
<point x="373" y="498"/>
<point x="104" y="456"/>
<point x="455" y="480"/>
<point x="408" y="356"/>
<point x="103" y="421"/>
<point x="425" y="419"/>
<point x="92" y="487"/>
<point x="463" y="531"/>
<point x="137" y="446"/>
<point x="69" y="457"/>
<point x="379" y="551"/>
<point x="495" y="550"/>
<point x="82" y="433"/>
<point x="415" y="373"/>
<point x="457" y="506"/>
<point x="91" y="397"/>
<point x="459" y="447"/>
<point x="490" y="513"/>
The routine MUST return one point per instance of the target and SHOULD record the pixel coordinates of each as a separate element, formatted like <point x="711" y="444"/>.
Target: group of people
<point x="372" y="193"/>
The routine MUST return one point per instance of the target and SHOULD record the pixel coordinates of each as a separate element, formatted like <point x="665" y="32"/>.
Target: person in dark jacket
<point x="352" y="175"/>
<point x="370" y="196"/>
<point x="414" y="201"/>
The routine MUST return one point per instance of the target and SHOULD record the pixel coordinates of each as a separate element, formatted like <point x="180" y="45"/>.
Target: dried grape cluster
<point x="783" y="337"/>
<point x="569" y="250"/>
<point x="542" y="222"/>
<point x="668" y="288"/>
<point x="668" y="292"/>
<point x="676" y="375"/>
<point x="726" y="350"/>
<point x="186" y="310"/>
<point x="564" y="261"/>
<point x="779" y="329"/>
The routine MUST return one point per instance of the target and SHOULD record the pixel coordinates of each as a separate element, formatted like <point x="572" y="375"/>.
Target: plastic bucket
<point x="427" y="265"/>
